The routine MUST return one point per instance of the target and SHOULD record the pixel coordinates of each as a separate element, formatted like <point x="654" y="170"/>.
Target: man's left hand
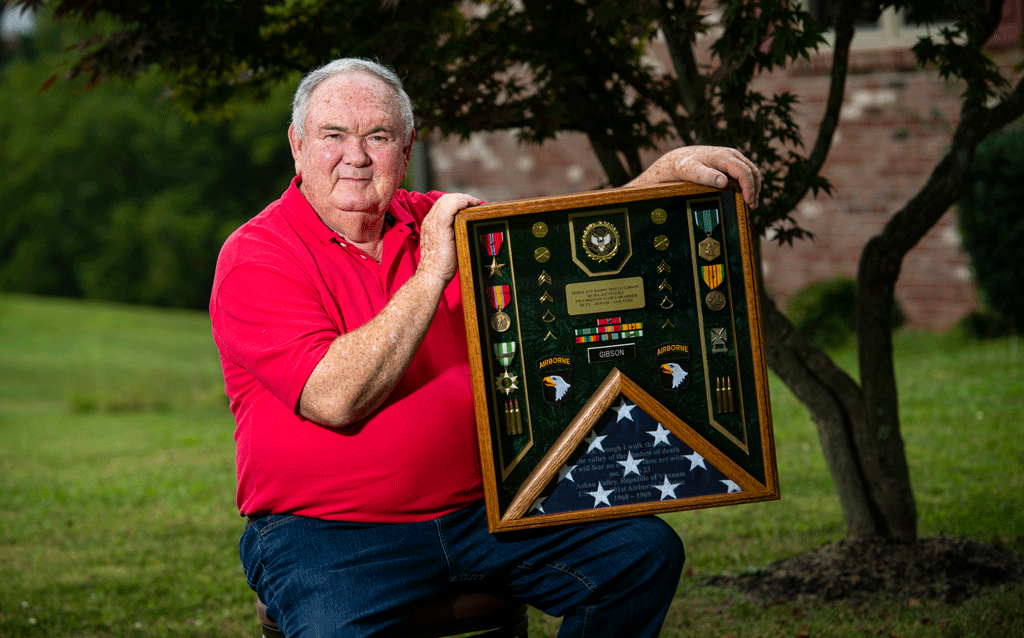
<point x="705" y="165"/>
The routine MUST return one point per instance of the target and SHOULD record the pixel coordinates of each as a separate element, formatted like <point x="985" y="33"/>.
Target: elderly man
<point x="340" y="330"/>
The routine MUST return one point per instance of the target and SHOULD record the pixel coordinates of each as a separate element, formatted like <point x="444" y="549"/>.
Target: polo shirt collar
<point x="298" y="206"/>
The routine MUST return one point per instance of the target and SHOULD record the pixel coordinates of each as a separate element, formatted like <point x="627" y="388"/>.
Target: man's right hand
<point x="437" y="236"/>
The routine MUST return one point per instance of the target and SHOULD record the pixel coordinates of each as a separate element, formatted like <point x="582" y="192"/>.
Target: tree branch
<point x="689" y="80"/>
<point x="610" y="162"/>
<point x="844" y="30"/>
<point x="882" y="446"/>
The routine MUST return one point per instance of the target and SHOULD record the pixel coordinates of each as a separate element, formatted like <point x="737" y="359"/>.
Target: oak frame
<point x="511" y="514"/>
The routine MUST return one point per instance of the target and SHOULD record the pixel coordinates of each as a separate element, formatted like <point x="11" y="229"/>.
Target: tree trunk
<point x="836" y="405"/>
<point x="881" y="446"/>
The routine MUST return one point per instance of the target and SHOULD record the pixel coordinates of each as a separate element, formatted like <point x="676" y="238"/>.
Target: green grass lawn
<point x="117" y="474"/>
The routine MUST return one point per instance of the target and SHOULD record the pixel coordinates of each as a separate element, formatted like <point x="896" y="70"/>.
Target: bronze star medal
<point x="492" y="246"/>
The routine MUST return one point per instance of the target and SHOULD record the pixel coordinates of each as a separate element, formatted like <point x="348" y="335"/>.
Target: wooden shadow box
<point x="616" y="353"/>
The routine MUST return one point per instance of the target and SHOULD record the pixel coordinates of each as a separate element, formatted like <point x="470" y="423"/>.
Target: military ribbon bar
<point x="498" y="296"/>
<point x="504" y="352"/>
<point x="713" y="275"/>
<point x="492" y="242"/>
<point x="706" y="218"/>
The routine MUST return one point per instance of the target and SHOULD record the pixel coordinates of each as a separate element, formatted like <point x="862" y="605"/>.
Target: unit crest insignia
<point x="600" y="241"/>
<point x="674" y="362"/>
<point x="556" y="376"/>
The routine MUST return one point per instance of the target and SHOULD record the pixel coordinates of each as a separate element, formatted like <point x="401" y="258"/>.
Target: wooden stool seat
<point x="459" y="614"/>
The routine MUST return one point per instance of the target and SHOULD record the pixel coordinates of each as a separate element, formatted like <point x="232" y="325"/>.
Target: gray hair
<point x="300" y="104"/>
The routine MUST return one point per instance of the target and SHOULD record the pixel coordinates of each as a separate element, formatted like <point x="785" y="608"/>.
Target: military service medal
<point x="707" y="220"/>
<point x="506" y="382"/>
<point x="713" y="276"/>
<point x="492" y="245"/>
<point x="504" y="353"/>
<point x="499" y="297"/>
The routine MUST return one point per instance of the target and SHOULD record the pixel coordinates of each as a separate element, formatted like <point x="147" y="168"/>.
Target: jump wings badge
<point x="601" y="241"/>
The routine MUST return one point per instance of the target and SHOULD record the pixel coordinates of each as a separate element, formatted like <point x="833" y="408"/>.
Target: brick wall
<point x="895" y="125"/>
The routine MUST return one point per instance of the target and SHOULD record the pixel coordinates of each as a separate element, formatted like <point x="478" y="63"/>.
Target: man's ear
<point x="407" y="151"/>
<point x="295" y="142"/>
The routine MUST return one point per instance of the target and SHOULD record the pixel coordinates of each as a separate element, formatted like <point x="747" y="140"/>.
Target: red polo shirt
<point x="285" y="287"/>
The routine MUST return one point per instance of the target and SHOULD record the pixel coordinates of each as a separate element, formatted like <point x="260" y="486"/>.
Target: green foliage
<point x="109" y="194"/>
<point x="826" y="312"/>
<point x="984" y="323"/>
<point x="992" y="223"/>
<point x="534" y="66"/>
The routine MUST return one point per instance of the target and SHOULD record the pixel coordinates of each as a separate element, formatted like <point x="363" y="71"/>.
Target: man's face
<point x="354" y="155"/>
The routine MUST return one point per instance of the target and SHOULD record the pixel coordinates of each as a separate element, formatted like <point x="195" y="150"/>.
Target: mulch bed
<point x="948" y="567"/>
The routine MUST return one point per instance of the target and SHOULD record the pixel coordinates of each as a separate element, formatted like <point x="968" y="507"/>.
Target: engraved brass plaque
<point x="614" y="295"/>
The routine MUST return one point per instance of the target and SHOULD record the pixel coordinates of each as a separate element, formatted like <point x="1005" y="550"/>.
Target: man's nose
<point x="354" y="152"/>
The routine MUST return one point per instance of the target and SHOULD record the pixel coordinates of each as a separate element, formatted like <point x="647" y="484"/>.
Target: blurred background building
<point x="894" y="127"/>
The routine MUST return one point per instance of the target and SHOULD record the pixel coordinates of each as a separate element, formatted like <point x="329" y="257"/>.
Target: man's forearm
<point x="361" y="367"/>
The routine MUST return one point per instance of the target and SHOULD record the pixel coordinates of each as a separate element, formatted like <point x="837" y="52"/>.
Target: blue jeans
<point x="323" y="578"/>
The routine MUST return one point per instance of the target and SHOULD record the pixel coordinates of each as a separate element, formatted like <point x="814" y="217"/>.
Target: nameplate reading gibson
<point x="605" y="296"/>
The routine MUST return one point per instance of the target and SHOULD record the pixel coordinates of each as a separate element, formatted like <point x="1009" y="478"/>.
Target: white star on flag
<point x="732" y="486"/>
<point x="539" y="504"/>
<point x="660" y="435"/>
<point x="595" y="441"/>
<point x="601" y="495"/>
<point x="631" y="466"/>
<point x="696" y="460"/>
<point x="668" y="490"/>
<point x="624" y="411"/>
<point x="565" y="472"/>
